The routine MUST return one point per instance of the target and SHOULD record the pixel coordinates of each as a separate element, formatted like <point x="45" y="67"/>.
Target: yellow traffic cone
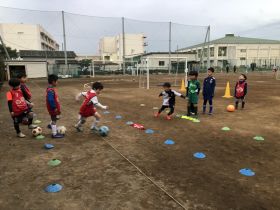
<point x="183" y="88"/>
<point x="227" y="92"/>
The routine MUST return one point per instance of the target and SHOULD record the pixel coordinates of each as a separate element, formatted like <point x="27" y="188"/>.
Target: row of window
<point x="222" y="51"/>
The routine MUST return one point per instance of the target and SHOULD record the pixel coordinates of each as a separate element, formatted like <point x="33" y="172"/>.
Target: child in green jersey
<point x="193" y="90"/>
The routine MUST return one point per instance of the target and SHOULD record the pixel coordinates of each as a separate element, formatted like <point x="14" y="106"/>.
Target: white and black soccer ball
<point x="61" y="130"/>
<point x="37" y="131"/>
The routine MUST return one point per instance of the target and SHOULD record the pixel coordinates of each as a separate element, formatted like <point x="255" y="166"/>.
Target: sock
<point x="54" y="130"/>
<point x="95" y="124"/>
<point x="30" y="121"/>
<point x="236" y="105"/>
<point x="243" y="104"/>
<point x="189" y="111"/>
<point x="211" y="109"/>
<point x="195" y="110"/>
<point x="204" y="108"/>
<point x="79" y="124"/>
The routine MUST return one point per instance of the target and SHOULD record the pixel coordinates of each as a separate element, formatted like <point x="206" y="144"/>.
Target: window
<point x="19" y="33"/>
<point x="243" y="50"/>
<point x="242" y="58"/>
<point x="161" y="63"/>
<point x="106" y="58"/>
<point x="222" y="51"/>
<point x="212" y="52"/>
<point x="205" y="50"/>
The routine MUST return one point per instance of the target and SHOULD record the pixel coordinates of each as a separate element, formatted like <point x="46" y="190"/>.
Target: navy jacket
<point x="209" y="87"/>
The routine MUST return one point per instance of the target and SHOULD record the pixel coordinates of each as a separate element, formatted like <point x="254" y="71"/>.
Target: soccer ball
<point x="37" y="131"/>
<point x="61" y="130"/>
<point x="230" y="108"/>
<point x="103" y="131"/>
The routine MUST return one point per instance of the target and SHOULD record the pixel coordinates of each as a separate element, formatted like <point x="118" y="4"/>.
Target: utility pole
<point x="169" y="52"/>
<point x="208" y="54"/>
<point x="123" y="40"/>
<point x="64" y="41"/>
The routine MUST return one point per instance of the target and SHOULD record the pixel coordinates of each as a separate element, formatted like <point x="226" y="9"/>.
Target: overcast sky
<point x="224" y="16"/>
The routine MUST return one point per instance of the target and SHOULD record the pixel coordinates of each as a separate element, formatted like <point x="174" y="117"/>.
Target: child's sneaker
<point x="78" y="128"/>
<point x="94" y="129"/>
<point x="210" y="113"/>
<point x="57" y="136"/>
<point x="168" y="117"/>
<point x="32" y="126"/>
<point x="20" y="135"/>
<point x="156" y="114"/>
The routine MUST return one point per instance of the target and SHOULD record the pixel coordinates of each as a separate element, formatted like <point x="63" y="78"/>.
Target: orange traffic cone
<point x="227" y="92"/>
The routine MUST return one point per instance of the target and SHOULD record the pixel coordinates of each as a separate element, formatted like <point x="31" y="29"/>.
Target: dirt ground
<point x="95" y="176"/>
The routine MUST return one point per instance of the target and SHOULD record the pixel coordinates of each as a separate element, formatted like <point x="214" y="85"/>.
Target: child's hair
<point x="193" y="73"/>
<point x="97" y="86"/>
<point x="52" y="78"/>
<point x="21" y="75"/>
<point x="14" y="82"/>
<point x="211" y="69"/>
<point x="166" y="84"/>
<point x="245" y="77"/>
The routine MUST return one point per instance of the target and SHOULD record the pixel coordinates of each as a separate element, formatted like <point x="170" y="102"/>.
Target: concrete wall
<point x="33" y="69"/>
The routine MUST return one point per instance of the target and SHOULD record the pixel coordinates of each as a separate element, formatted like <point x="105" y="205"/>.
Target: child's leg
<point x="81" y="121"/>
<point x="171" y="110"/>
<point x="162" y="109"/>
<point x="243" y="102"/>
<point x="16" y="124"/>
<point x="211" y="106"/>
<point x="236" y="103"/>
<point x="189" y="109"/>
<point x="195" y="108"/>
<point x="95" y="123"/>
<point x="204" y="105"/>
<point x="53" y="125"/>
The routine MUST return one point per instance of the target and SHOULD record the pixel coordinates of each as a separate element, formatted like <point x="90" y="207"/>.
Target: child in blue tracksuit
<point x="209" y="90"/>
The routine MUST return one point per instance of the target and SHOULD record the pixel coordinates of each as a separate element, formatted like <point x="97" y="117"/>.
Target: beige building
<point x="111" y="48"/>
<point x="27" y="37"/>
<point x="240" y="51"/>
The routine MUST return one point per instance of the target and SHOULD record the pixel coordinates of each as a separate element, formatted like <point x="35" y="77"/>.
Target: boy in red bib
<point x="240" y="91"/>
<point x="18" y="107"/>
<point x="27" y="96"/>
<point x="89" y="105"/>
<point x="53" y="105"/>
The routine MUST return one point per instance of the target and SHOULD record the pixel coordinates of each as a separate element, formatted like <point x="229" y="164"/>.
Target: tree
<point x="3" y="57"/>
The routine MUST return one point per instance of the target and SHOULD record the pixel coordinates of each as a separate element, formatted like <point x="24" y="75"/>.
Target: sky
<point x="224" y="16"/>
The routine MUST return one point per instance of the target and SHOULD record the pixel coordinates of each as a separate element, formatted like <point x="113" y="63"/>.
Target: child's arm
<point x="161" y="94"/>
<point x="245" y="89"/>
<point x="198" y="87"/>
<point x="10" y="102"/>
<point x="95" y="102"/>
<point x="213" y="85"/>
<point x="235" y="89"/>
<point x="80" y="95"/>
<point x="178" y="94"/>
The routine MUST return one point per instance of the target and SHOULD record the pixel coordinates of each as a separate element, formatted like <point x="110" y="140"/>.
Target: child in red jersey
<point x="18" y="106"/>
<point x="88" y="107"/>
<point x="53" y="105"/>
<point x="240" y="91"/>
<point x="27" y="96"/>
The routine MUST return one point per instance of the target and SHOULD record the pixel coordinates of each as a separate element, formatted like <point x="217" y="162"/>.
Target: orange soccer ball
<point x="230" y="108"/>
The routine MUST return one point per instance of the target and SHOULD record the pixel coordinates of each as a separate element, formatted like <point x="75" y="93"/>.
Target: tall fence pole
<point x="123" y="40"/>
<point x="64" y="41"/>
<point x="169" y="52"/>
<point x="208" y="54"/>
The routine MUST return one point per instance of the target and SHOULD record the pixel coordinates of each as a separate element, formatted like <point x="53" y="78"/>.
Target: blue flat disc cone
<point x="129" y="122"/>
<point x="48" y="146"/>
<point x="247" y="172"/>
<point x="149" y="131"/>
<point x="53" y="188"/>
<point x="199" y="155"/>
<point x="106" y="112"/>
<point x="169" y="142"/>
<point x="118" y="117"/>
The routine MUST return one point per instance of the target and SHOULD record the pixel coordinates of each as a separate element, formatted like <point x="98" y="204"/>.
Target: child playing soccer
<point x="27" y="95"/>
<point x="18" y="107"/>
<point x="193" y="90"/>
<point x="209" y="90"/>
<point x="168" y="100"/>
<point x="88" y="107"/>
<point x="53" y="105"/>
<point x="240" y="91"/>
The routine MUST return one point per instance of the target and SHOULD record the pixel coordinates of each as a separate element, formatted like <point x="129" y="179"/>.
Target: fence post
<point x="64" y="41"/>
<point x="208" y="54"/>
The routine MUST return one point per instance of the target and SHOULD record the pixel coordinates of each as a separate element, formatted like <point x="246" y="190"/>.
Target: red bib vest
<point x="87" y="109"/>
<point x="19" y="104"/>
<point x="240" y="89"/>
<point x="27" y="91"/>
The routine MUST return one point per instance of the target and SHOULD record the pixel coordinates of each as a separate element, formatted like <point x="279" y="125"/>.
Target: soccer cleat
<point x="49" y="126"/>
<point x="210" y="113"/>
<point x="20" y="135"/>
<point x="78" y="128"/>
<point x="168" y="117"/>
<point x="32" y="126"/>
<point x="57" y="136"/>
<point x="94" y="129"/>
<point x="156" y="114"/>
